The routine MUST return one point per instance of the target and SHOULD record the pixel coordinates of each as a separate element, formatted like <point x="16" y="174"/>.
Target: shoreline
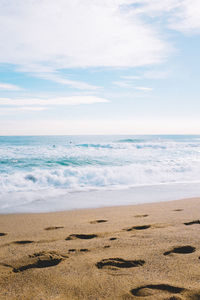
<point x="95" y="209"/>
<point x="99" y="198"/>
<point x="143" y="251"/>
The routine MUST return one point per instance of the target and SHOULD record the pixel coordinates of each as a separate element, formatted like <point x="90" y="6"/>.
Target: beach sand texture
<point x="148" y="251"/>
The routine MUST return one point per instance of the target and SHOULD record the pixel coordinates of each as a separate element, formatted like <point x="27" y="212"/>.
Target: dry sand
<point x="129" y="252"/>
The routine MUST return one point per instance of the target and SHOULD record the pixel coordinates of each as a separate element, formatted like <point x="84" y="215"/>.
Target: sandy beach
<point x="147" y="251"/>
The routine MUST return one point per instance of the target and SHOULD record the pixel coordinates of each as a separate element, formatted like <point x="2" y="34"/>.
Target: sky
<point x="99" y="67"/>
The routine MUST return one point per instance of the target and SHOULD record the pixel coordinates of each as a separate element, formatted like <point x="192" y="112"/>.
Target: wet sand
<point x="148" y="251"/>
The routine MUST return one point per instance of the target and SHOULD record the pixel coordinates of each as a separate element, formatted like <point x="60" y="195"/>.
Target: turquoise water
<point x="35" y="167"/>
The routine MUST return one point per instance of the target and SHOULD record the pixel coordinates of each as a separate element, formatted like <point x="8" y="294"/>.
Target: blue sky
<point x="99" y="67"/>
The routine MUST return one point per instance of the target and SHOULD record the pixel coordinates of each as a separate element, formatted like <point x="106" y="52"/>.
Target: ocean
<point x="49" y="173"/>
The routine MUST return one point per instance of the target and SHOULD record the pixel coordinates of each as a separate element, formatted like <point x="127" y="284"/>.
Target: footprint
<point x="151" y="289"/>
<point x="178" y="209"/>
<point x="174" y="298"/>
<point x="141" y="216"/>
<point x="40" y="263"/>
<point x="26" y="242"/>
<point x="22" y="242"/>
<point x="50" y="253"/>
<point x="3" y="234"/>
<point x="39" y="260"/>
<point x="53" y="227"/>
<point x="192" y="222"/>
<point x="181" y="250"/>
<point x="113" y="239"/>
<point x="98" y="221"/>
<point x="119" y="263"/>
<point x="78" y="250"/>
<point x="71" y="250"/>
<point x="81" y="236"/>
<point x="142" y="227"/>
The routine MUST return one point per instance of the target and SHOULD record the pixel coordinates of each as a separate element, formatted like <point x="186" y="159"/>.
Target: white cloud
<point x="71" y="34"/>
<point x="155" y="8"/>
<point x="129" y="84"/>
<point x="123" y="84"/>
<point x="13" y="110"/>
<point x="143" y="88"/>
<point x="156" y="74"/>
<point x="9" y="87"/>
<point x="34" y="108"/>
<point x="42" y="37"/>
<point x="49" y="73"/>
<point x="186" y="18"/>
<point x="130" y="77"/>
<point x="150" y="74"/>
<point x="181" y="15"/>
<point x="60" y="101"/>
<point x="75" y="84"/>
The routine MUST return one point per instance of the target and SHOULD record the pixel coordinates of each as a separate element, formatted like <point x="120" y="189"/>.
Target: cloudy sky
<point x="99" y="66"/>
